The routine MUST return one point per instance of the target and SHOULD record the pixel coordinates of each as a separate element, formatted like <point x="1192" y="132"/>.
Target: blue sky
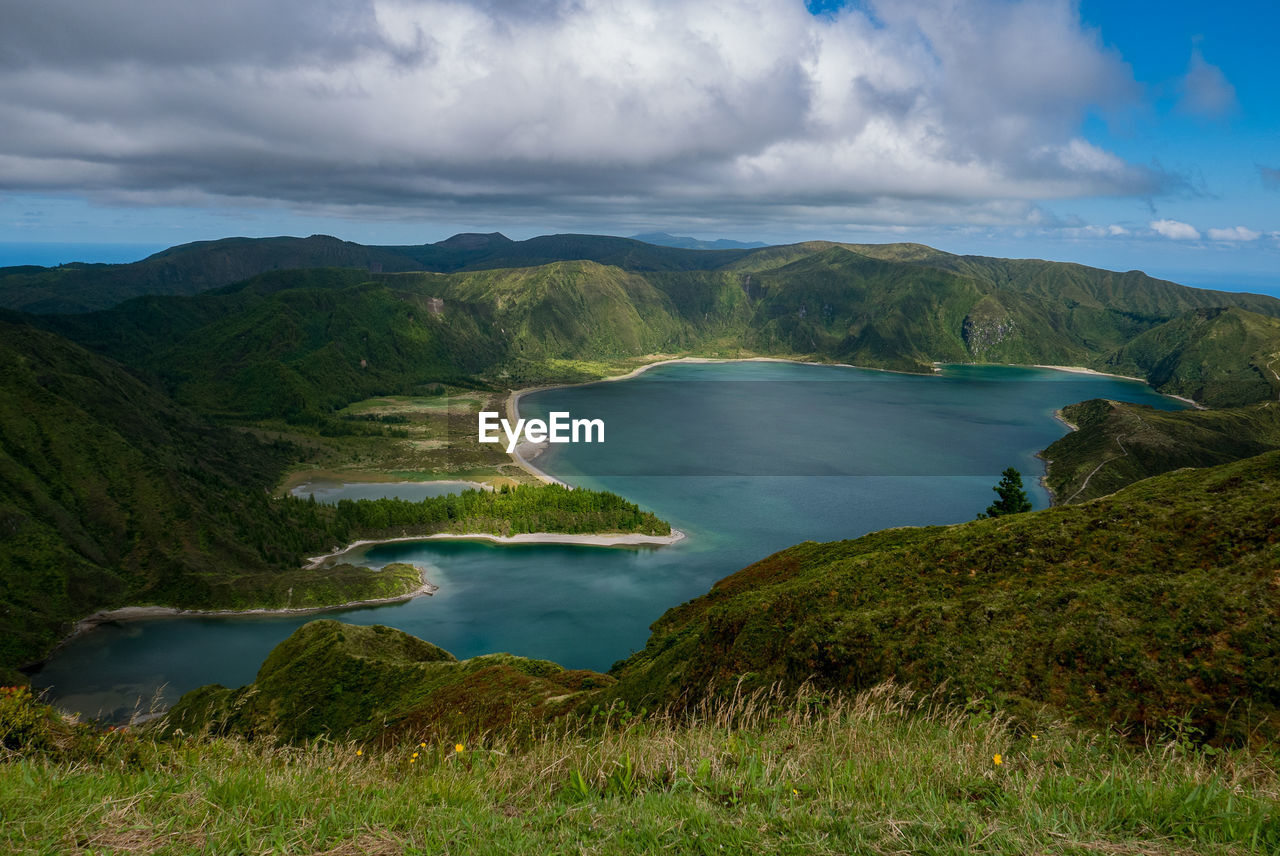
<point x="1125" y="135"/>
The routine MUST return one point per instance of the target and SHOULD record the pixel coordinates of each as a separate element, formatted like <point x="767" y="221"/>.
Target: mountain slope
<point x="1116" y="443"/>
<point x="376" y="683"/>
<point x="110" y="494"/>
<point x="1155" y="603"/>
<point x="1222" y="357"/>
<point x="185" y="269"/>
<point x="297" y="344"/>
<point x="307" y="342"/>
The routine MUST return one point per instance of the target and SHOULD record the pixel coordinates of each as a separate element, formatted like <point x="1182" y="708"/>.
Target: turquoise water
<point x="747" y="458"/>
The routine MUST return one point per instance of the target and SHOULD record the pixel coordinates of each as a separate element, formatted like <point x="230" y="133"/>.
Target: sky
<point x="1127" y="135"/>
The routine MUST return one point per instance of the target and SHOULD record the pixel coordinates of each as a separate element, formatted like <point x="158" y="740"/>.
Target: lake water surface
<point x="747" y="458"/>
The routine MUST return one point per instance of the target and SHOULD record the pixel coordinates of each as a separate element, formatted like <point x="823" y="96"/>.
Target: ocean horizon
<point x="52" y="254"/>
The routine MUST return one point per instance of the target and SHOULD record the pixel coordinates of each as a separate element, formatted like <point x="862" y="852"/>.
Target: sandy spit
<point x="137" y="613"/>
<point x="617" y="539"/>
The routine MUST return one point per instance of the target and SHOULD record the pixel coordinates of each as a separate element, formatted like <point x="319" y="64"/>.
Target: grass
<point x="1153" y="604"/>
<point x="885" y="771"/>
<point x="422" y="438"/>
<point x="1117" y="443"/>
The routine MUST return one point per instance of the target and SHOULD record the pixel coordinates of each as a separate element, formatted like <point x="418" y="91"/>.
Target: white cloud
<point x="955" y="110"/>
<point x="1175" y="230"/>
<point x="1116" y="231"/>
<point x="1235" y="233"/>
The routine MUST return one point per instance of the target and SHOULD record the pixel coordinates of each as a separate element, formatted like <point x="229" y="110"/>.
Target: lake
<point x="746" y="458"/>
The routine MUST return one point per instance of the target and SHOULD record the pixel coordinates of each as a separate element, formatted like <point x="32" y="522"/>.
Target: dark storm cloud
<point x="71" y="34"/>
<point x="960" y="111"/>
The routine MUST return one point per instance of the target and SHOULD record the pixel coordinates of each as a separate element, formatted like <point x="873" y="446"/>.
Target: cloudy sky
<point x="1088" y="131"/>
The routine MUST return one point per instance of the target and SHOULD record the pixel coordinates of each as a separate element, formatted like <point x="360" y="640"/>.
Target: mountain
<point x="186" y="269"/>
<point x="286" y="344"/>
<point x="489" y="252"/>
<point x="662" y="239"/>
<point x="205" y="265"/>
<point x="1221" y="356"/>
<point x="112" y="494"/>
<point x="1115" y="443"/>
<point x="289" y="343"/>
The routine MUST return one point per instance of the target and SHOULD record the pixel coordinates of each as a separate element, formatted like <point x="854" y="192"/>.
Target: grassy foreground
<point x="885" y="771"/>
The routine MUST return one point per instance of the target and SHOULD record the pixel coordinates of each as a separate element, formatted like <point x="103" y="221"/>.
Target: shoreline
<point x="1082" y="370"/>
<point x="524" y="449"/>
<point x="140" y="613"/>
<point x="614" y="539"/>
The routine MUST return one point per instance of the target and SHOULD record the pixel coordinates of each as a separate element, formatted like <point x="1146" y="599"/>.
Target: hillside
<point x="1222" y="357"/>
<point x="185" y="269"/>
<point x="1137" y="609"/>
<point x="1116" y="443"/>
<point x="378" y="684"/>
<point x="110" y="494"/>
<point x="299" y="344"/>
<point x="205" y="265"/>
<point x="312" y="341"/>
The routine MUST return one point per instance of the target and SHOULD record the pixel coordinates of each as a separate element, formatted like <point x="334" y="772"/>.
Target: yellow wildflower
<point x="422" y="746"/>
<point x="458" y="747"/>
<point x="1035" y="736"/>
<point x="359" y="752"/>
<point x="998" y="760"/>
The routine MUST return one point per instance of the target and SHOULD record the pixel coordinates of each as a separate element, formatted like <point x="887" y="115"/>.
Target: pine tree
<point x="1013" y="499"/>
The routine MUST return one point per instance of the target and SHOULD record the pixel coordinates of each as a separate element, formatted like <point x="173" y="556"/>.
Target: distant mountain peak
<point x="662" y="239"/>
<point x="474" y="240"/>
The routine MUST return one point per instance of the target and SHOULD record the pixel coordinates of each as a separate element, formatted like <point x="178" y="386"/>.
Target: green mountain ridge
<point x="1116" y="443"/>
<point x="111" y="493"/>
<point x="294" y="343"/>
<point x="1221" y="356"/>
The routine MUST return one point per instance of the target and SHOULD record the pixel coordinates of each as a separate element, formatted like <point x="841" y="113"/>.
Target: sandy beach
<point x="614" y="539"/>
<point x="1082" y="370"/>
<point x="137" y="613"/>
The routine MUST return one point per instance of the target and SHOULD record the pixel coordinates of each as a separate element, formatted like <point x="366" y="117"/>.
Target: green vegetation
<point x="186" y="269"/>
<point x="377" y="684"/>
<point x="1153" y="610"/>
<point x="1222" y="357"/>
<point x="111" y="494"/>
<point x="884" y="771"/>
<point x="1153" y="606"/>
<point x="205" y="265"/>
<point x="1012" y="498"/>
<point x="508" y="511"/>
<point x="298" y="345"/>
<point x="1116" y="443"/>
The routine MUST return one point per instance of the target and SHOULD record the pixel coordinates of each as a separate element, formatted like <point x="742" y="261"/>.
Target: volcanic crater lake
<point x="747" y="458"/>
